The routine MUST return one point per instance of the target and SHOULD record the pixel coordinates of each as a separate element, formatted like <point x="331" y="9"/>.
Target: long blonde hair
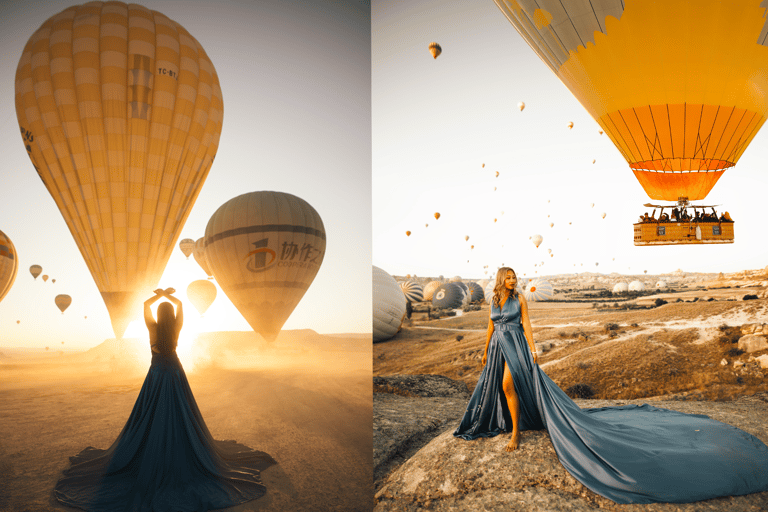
<point x="498" y="288"/>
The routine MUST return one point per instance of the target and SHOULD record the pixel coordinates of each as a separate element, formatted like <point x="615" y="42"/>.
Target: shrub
<point x="659" y="302"/>
<point x="750" y="297"/>
<point x="735" y="352"/>
<point x="582" y="365"/>
<point x="633" y="325"/>
<point x="580" y="391"/>
<point x="459" y="337"/>
<point x="611" y="327"/>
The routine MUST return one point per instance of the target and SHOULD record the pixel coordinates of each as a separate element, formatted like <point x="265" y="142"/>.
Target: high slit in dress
<point x="165" y="459"/>
<point x="630" y="453"/>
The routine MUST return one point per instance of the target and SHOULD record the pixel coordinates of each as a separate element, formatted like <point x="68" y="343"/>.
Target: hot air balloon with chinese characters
<point x="9" y="264"/>
<point x="702" y="99"/>
<point x="120" y="111"/>
<point x="265" y="249"/>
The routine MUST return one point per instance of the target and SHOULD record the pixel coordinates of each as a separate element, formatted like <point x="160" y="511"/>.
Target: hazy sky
<point x="435" y="122"/>
<point x="295" y="77"/>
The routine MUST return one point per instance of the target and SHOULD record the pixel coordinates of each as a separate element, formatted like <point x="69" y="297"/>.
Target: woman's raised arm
<point x="148" y="318"/>
<point x="179" y="308"/>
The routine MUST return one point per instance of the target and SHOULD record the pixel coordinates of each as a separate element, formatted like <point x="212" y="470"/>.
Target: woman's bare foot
<point x="514" y="442"/>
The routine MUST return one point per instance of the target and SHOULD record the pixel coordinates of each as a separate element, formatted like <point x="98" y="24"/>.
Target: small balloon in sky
<point x="603" y="215"/>
<point x="53" y="280"/>
<point x="497" y="174"/>
<point x="437" y="215"/>
<point x="426" y="225"/>
<point x="551" y="224"/>
<point x="407" y="233"/>
<point x="593" y="205"/>
<point x="9" y="264"/>
<point x="471" y="247"/>
<point x="35" y="270"/>
<point x="186" y="246"/>
<point x="62" y="302"/>
<point x="494" y="189"/>
<point x="570" y="125"/>
<point x="521" y="106"/>
<point x="537" y="239"/>
<point x="600" y="132"/>
<point x="466" y="238"/>
<point x="435" y="49"/>
<point x="483" y="166"/>
<point x="18" y="321"/>
<point x="494" y="220"/>
<point x="45" y="278"/>
<point x="593" y="160"/>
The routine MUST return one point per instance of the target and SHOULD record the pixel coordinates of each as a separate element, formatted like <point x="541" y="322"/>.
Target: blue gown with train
<point x="165" y="459"/>
<point x="630" y="453"/>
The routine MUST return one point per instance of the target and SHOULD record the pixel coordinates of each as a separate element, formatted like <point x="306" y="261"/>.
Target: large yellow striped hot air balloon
<point x="9" y="264"/>
<point x="680" y="87"/>
<point x="264" y="249"/>
<point x="120" y="110"/>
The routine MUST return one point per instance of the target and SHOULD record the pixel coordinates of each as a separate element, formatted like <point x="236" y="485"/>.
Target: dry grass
<point x="632" y="354"/>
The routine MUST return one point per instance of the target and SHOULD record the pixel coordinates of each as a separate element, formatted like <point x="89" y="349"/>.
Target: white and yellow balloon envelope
<point x="538" y="290"/>
<point x="120" y="111"/>
<point x="389" y="306"/>
<point x="9" y="264"/>
<point x="201" y="294"/>
<point x="265" y="249"/>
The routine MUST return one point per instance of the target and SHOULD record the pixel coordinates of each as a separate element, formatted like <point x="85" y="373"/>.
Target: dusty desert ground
<point x="306" y="400"/>
<point x="674" y="351"/>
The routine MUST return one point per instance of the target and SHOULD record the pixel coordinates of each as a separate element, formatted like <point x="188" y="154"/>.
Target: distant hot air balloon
<point x="537" y="239"/>
<point x="551" y="224"/>
<point x="35" y="270"/>
<point x="475" y="292"/>
<point x="63" y="302"/>
<point x="466" y="238"/>
<point x="645" y="271"/>
<point x="426" y="225"/>
<point x="494" y="220"/>
<point x="412" y="290"/>
<point x="435" y="49"/>
<point x="198" y="251"/>
<point x="497" y="174"/>
<point x="538" y="290"/>
<point x="593" y="160"/>
<point x="18" y="321"/>
<point x="9" y="264"/>
<point x="698" y="124"/>
<point x="471" y="247"/>
<point x="53" y="280"/>
<point x="437" y="215"/>
<point x="602" y="215"/>
<point x="494" y="189"/>
<point x="407" y="233"/>
<point x="600" y="132"/>
<point x="45" y="278"/>
<point x="430" y="288"/>
<point x="549" y="251"/>
<point x="570" y="125"/>
<point x="201" y="294"/>
<point x="521" y="106"/>
<point x="120" y="112"/>
<point x="186" y="246"/>
<point x="389" y="305"/>
<point x="265" y="248"/>
<point x="592" y="205"/>
<point x="483" y="166"/>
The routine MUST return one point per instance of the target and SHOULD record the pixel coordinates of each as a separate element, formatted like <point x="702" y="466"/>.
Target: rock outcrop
<point x="452" y="474"/>
<point x="408" y="412"/>
<point x="753" y="343"/>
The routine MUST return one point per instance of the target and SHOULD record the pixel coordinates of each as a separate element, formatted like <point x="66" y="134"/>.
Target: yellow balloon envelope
<point x="201" y="294"/>
<point x="120" y="111"/>
<point x="435" y="50"/>
<point x="9" y="264"/>
<point x="35" y="270"/>
<point x="264" y="249"/>
<point x="680" y="87"/>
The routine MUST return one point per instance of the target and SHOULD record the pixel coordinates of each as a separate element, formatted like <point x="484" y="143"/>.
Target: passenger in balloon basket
<point x="165" y="458"/>
<point x="630" y="453"/>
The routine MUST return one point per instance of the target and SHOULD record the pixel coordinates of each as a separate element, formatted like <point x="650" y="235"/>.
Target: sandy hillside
<point x="675" y="349"/>
<point x="306" y="401"/>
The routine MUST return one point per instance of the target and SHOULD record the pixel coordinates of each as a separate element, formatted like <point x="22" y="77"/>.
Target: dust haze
<point x="305" y="399"/>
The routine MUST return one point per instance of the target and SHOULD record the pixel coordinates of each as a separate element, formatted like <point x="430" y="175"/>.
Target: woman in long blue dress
<point x="629" y="454"/>
<point x="165" y="459"/>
